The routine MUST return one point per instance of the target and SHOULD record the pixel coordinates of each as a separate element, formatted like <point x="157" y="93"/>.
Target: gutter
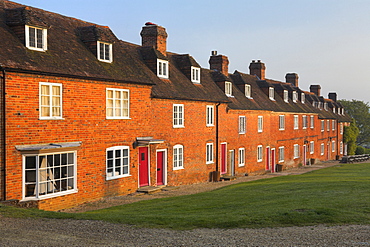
<point x="3" y="135"/>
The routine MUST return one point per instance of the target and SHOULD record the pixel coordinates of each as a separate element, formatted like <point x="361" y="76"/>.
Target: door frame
<point x="273" y="160"/>
<point x="268" y="158"/>
<point x="138" y="159"/>
<point x="232" y="161"/>
<point x="164" y="164"/>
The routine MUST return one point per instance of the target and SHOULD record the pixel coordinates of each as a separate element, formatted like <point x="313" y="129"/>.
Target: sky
<point x="326" y="42"/>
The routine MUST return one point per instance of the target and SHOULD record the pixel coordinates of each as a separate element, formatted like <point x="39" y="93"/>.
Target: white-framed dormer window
<point x="36" y="38"/>
<point x="286" y="96"/>
<point x="248" y="91"/>
<point x="241" y="157"/>
<point x="209" y="153"/>
<point x="178" y="157"/>
<point x="281" y="154"/>
<point x="312" y="122"/>
<point x="195" y="74"/>
<point x="326" y="106"/>
<point x="118" y="160"/>
<point x="303" y="98"/>
<point x="210" y="115"/>
<point x="304" y="122"/>
<point x="296" y="122"/>
<point x="334" y="110"/>
<point x="260" y="124"/>
<point x="296" y="151"/>
<point x="178" y="115"/>
<point x="162" y="68"/>
<point x="282" y="122"/>
<point x="271" y="93"/>
<point x="259" y="153"/>
<point x="118" y="103"/>
<point x="322" y="149"/>
<point x="295" y="96"/>
<point x="50" y="100"/>
<point x="105" y="52"/>
<point x="322" y="125"/>
<point x="228" y="88"/>
<point x="242" y="124"/>
<point x="342" y="111"/>
<point x="312" y="147"/>
<point x="320" y="105"/>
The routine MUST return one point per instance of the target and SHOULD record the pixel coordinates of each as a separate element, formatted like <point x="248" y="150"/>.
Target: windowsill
<point x="241" y="165"/>
<point x="281" y="129"/>
<point x="117" y="177"/>
<point x="36" y="49"/>
<point x="259" y="160"/>
<point x="49" y="196"/>
<point x="210" y="162"/>
<point x="178" y="127"/>
<point x="176" y="169"/>
<point x="210" y="125"/>
<point x="120" y="118"/>
<point x="281" y="161"/>
<point x="105" y="61"/>
<point x="260" y="131"/>
<point x="241" y="133"/>
<point x="52" y="118"/>
<point x="249" y="97"/>
<point x="162" y="77"/>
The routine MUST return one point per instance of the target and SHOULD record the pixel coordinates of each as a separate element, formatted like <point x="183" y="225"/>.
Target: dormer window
<point x="320" y="105"/>
<point x="162" y="68"/>
<point x="248" y="91"/>
<point x="228" y="89"/>
<point x="326" y="106"/>
<point x="195" y="74"/>
<point x="286" y="99"/>
<point x="334" y="110"/>
<point x="36" y="38"/>
<point x="104" y="52"/>
<point x="303" y="98"/>
<point x="295" y="96"/>
<point x="271" y="93"/>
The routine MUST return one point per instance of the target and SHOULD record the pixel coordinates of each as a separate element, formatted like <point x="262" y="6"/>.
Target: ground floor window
<point x="178" y="157"/>
<point x="259" y="153"/>
<point x="281" y="154"/>
<point x="47" y="175"/>
<point x="209" y="153"/>
<point x="241" y="156"/>
<point x="118" y="162"/>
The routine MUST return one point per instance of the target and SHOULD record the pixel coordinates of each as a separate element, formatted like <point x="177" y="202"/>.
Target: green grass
<point x="336" y="195"/>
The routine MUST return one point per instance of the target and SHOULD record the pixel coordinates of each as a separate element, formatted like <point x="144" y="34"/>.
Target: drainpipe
<point x="3" y="169"/>
<point x="216" y="176"/>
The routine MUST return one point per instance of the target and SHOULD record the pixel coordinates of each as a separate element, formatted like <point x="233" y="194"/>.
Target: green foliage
<point x="360" y="150"/>
<point x="360" y="111"/>
<point x="332" y="196"/>
<point x="349" y="136"/>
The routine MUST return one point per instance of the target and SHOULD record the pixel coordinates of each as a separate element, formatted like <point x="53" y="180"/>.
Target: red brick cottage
<point x="85" y="115"/>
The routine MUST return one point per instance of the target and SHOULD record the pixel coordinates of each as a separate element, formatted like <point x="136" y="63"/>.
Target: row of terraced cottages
<point x="85" y="115"/>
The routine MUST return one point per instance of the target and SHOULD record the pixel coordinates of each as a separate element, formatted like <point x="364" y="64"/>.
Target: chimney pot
<point x="214" y="53"/>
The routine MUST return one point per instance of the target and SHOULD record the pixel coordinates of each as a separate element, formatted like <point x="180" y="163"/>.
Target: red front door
<point x="143" y="167"/>
<point x="160" y="167"/>
<point x="223" y="158"/>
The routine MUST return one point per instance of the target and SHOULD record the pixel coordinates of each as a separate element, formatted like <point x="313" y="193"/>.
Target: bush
<point x="360" y="150"/>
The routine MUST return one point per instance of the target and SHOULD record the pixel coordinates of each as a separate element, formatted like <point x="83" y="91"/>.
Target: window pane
<point x="30" y="176"/>
<point x="70" y="158"/>
<point x="30" y="162"/>
<point x="32" y="35"/>
<point x="39" y="38"/>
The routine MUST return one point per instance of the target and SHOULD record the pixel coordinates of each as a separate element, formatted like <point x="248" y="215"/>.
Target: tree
<point x="349" y="136"/>
<point x="360" y="111"/>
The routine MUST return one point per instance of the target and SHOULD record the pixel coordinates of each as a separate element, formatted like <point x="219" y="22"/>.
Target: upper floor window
<point x="162" y="68"/>
<point x="178" y="157"/>
<point x="248" y="91"/>
<point x="328" y="125"/>
<point x="296" y="151"/>
<point x="333" y="124"/>
<point x="242" y="125"/>
<point x="281" y="154"/>
<point x="286" y="96"/>
<point x="118" y="159"/>
<point x="322" y="125"/>
<point x="260" y="123"/>
<point x="195" y="74"/>
<point x="210" y="116"/>
<point x="271" y="93"/>
<point x="304" y="122"/>
<point x="178" y="115"/>
<point x="341" y="128"/>
<point x="105" y="52"/>
<point x="118" y="103"/>
<point x="228" y="88"/>
<point x="281" y="122"/>
<point x="50" y="100"/>
<point x="241" y="157"/>
<point x="209" y="153"/>
<point x="312" y="122"/>
<point x="341" y="147"/>
<point x="295" y="96"/>
<point x="36" y="38"/>
<point x="296" y="123"/>
<point x="303" y="98"/>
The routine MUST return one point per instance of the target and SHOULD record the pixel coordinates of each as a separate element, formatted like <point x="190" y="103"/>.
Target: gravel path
<point x="54" y="232"/>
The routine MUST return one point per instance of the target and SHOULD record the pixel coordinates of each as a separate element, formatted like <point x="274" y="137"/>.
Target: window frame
<point x="304" y="122"/>
<point x="281" y="122"/>
<point x="178" y="116"/>
<point x="51" y="96"/>
<point x="312" y="147"/>
<point x="162" y="69"/>
<point x="122" y="166"/>
<point x="341" y="129"/>
<point x="333" y="148"/>
<point x="303" y="98"/>
<point x="286" y="96"/>
<point x="241" y="157"/>
<point x="272" y="93"/>
<point x="281" y="154"/>
<point x="210" y="115"/>
<point x="260" y="124"/>
<point x="248" y="91"/>
<point x="195" y="74"/>
<point x="99" y="51"/>
<point x="38" y="170"/>
<point x="296" y="153"/>
<point x="312" y="121"/>
<point x="322" y="149"/>
<point x="28" y="37"/>
<point x="178" y="157"/>
<point x="294" y="96"/>
<point x="259" y="153"/>
<point x="322" y="125"/>
<point x="328" y="125"/>
<point x="228" y="89"/>
<point x="114" y="101"/>
<point x="295" y="122"/>
<point x="333" y="124"/>
<point x="242" y="124"/>
<point x="209" y="153"/>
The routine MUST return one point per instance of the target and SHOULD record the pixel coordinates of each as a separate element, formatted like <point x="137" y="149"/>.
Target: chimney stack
<point x="316" y="89"/>
<point x="333" y="96"/>
<point x="154" y="36"/>
<point x="257" y="68"/>
<point x="219" y="63"/>
<point x="292" y="78"/>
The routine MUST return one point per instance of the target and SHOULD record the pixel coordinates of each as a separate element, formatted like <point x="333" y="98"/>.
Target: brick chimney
<point x="316" y="89"/>
<point x="292" y="78"/>
<point x="154" y="36"/>
<point x="257" y="68"/>
<point x="333" y="96"/>
<point x="219" y="63"/>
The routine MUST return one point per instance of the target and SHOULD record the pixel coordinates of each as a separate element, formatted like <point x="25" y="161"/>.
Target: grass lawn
<point x="336" y="195"/>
